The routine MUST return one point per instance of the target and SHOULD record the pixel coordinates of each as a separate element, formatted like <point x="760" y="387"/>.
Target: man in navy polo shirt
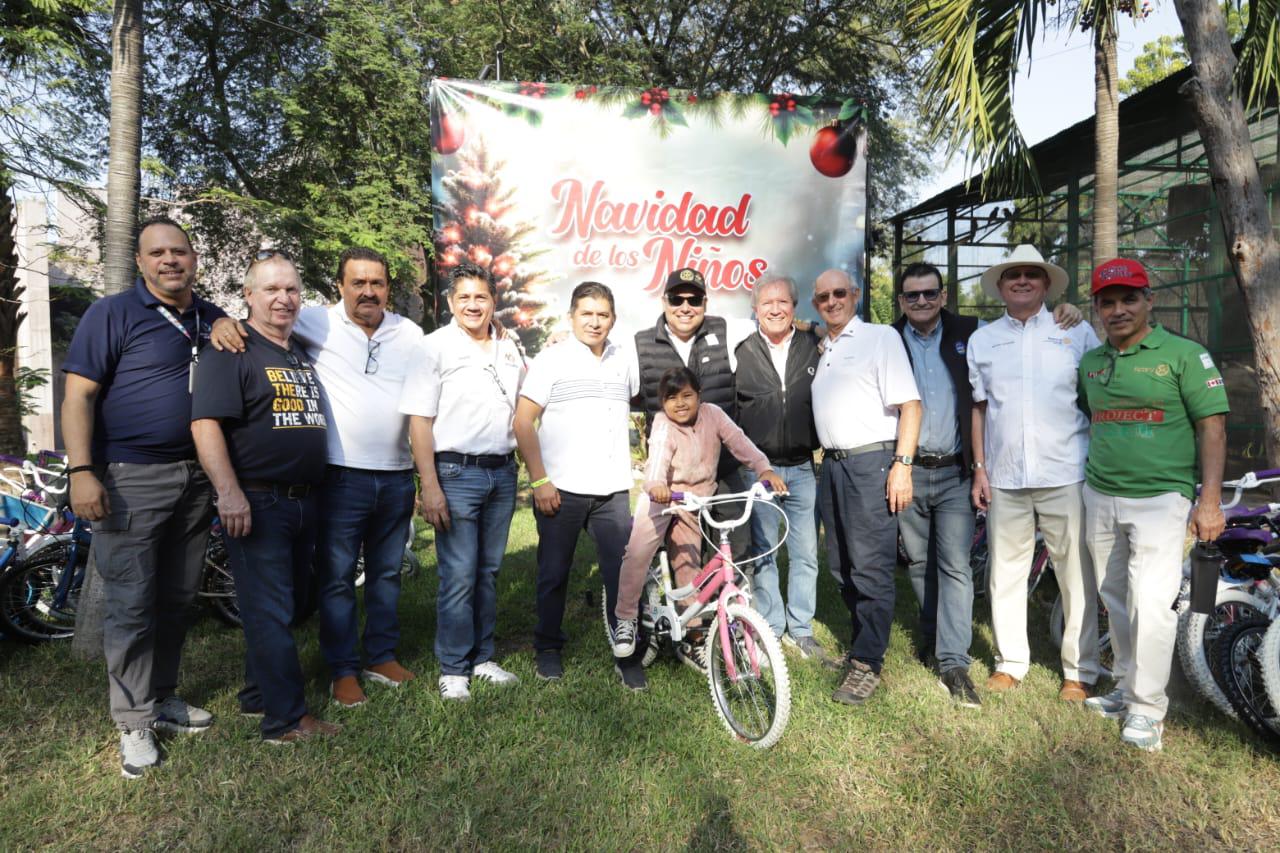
<point x="126" y="421"/>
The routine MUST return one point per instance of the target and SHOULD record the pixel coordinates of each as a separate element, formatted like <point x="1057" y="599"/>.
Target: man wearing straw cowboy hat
<point x="1029" y="446"/>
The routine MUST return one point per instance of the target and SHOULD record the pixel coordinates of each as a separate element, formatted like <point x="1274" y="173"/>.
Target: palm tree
<point x="123" y="178"/>
<point x="968" y="83"/>
<point x="11" y="317"/>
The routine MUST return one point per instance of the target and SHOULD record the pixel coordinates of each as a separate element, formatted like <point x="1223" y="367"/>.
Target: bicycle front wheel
<point x="36" y="603"/>
<point x="1236" y="653"/>
<point x="755" y="703"/>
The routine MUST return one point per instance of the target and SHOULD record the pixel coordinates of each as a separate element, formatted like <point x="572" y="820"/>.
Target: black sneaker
<point x="858" y="684"/>
<point x="547" y="665"/>
<point x="632" y="675"/>
<point x="956" y="681"/>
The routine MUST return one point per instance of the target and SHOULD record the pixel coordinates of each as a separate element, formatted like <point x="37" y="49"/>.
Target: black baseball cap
<point x="687" y="277"/>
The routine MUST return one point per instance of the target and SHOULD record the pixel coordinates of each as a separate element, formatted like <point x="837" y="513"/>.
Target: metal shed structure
<point x="1168" y="219"/>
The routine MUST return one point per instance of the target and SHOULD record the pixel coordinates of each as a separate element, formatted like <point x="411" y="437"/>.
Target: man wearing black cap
<point x="685" y="336"/>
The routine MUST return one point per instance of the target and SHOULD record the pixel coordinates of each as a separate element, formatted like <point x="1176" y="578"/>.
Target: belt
<point x="929" y="461"/>
<point x="481" y="460"/>
<point x="838" y="454"/>
<point x="295" y="491"/>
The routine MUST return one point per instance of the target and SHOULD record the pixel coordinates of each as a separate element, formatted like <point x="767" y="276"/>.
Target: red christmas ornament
<point x="835" y="149"/>
<point x="452" y="233"/>
<point x="503" y="265"/>
<point x="481" y="255"/>
<point x="448" y="134"/>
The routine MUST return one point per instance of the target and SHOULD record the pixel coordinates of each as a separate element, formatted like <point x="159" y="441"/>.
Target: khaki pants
<point x="1011" y="530"/>
<point x="1137" y="544"/>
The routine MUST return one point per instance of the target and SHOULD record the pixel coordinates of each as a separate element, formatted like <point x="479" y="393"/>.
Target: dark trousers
<point x="862" y="546"/>
<point x="272" y="571"/>
<point x="150" y="553"/>
<point x="607" y="520"/>
<point x="365" y="511"/>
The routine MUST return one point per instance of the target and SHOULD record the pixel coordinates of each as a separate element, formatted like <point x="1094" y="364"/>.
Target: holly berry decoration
<point x="835" y="148"/>
<point x="447" y="133"/>
<point x="653" y="99"/>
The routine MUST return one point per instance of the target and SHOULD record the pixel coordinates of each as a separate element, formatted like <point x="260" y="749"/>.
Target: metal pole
<point x="953" y="262"/>
<point x="1073" y="237"/>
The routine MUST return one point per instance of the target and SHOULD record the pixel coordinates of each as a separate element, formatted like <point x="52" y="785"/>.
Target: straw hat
<point x="1025" y="256"/>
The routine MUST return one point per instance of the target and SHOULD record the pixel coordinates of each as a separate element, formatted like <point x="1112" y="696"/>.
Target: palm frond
<point x="1258" y="72"/>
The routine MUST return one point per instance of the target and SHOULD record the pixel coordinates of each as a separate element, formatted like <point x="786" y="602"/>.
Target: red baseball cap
<point x="1119" y="271"/>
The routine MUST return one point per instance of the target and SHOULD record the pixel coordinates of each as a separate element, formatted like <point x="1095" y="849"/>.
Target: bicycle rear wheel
<point x="1269" y="660"/>
<point x="218" y="586"/>
<point x="29" y="606"/>
<point x="1236" y="653"/>
<point x="1196" y="635"/>
<point x="756" y="705"/>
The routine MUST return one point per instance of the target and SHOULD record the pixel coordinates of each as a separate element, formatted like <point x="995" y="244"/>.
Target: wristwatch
<point x="976" y="466"/>
<point x="905" y="460"/>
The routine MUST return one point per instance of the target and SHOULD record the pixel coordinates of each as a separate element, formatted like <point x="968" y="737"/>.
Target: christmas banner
<point x="549" y="185"/>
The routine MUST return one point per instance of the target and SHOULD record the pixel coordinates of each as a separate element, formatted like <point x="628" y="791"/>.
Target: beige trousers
<point x="1137" y="545"/>
<point x="1011" y="530"/>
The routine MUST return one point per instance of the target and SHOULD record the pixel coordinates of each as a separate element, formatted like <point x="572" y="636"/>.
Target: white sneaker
<point x="494" y="674"/>
<point x="1143" y="732"/>
<point x="138" y="752"/>
<point x="174" y="715"/>
<point x="624" y="638"/>
<point x="455" y="687"/>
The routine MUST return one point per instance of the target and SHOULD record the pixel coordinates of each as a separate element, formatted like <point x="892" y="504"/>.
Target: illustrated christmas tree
<point x="477" y="221"/>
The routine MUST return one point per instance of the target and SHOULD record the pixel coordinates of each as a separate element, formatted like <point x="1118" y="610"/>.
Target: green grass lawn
<point x="584" y="764"/>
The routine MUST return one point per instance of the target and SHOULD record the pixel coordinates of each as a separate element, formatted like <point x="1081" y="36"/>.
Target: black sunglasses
<point x="837" y="293"/>
<point x="925" y="295"/>
<point x="268" y="254"/>
<point x="675" y="300"/>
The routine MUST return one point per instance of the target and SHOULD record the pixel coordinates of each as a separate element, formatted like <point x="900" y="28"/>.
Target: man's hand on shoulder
<point x="228" y="335"/>
<point x="1067" y="316"/>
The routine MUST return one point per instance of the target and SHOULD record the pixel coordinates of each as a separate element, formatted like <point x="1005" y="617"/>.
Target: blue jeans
<point x="272" y="572"/>
<point x="481" y="503"/>
<point x="937" y="533"/>
<point x="367" y="510"/>
<point x="802" y="553"/>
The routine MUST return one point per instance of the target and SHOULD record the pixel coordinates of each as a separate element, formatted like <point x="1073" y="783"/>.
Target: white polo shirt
<point x="361" y="392"/>
<point x="862" y="377"/>
<point x="778" y="355"/>
<point x="469" y="389"/>
<point x="1035" y="435"/>
<point x="585" y="429"/>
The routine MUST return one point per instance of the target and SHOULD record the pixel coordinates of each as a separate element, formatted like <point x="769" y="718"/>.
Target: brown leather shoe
<point x="308" y="727"/>
<point x="1075" y="691"/>
<point x="391" y="674"/>
<point x="999" y="682"/>
<point x="346" y="692"/>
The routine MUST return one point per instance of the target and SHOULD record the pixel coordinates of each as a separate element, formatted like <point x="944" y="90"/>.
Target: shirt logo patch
<point x="960" y="347"/>
<point x="1214" y="383"/>
<point x="1063" y="341"/>
<point x="1206" y="360"/>
<point x="810" y="371"/>
<point x="1129" y="416"/>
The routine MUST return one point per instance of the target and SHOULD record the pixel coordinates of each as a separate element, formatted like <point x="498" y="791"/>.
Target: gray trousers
<point x="150" y="554"/>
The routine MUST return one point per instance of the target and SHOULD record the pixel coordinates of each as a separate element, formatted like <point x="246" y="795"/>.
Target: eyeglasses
<point x="1110" y="370"/>
<point x="371" y="361"/>
<point x="675" y="300"/>
<point x="922" y="295"/>
<point x="295" y="362"/>
<point x="493" y="372"/>
<point x="838" y="293"/>
<point x="268" y="254"/>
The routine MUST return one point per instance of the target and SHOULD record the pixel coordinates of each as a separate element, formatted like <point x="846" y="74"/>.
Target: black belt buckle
<point x="938" y="461"/>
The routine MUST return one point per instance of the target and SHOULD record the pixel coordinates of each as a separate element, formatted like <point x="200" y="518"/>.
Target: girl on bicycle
<point x="684" y="451"/>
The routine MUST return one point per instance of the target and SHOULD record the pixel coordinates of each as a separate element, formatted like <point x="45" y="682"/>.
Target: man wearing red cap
<point x="1156" y="403"/>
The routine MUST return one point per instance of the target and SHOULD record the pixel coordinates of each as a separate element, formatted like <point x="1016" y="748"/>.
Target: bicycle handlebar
<point x="35" y="471"/>
<point x="693" y="503"/>
<point x="8" y="521"/>
<point x="1251" y="480"/>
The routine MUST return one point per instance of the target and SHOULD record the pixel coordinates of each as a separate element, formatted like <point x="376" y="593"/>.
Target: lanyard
<point x="174" y="321"/>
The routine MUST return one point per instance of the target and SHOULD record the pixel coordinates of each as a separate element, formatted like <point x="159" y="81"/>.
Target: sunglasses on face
<point x="840" y="293"/>
<point x="925" y="295"/>
<point x="675" y="300"/>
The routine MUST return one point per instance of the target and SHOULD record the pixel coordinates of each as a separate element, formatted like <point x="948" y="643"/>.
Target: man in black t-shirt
<point x="259" y="430"/>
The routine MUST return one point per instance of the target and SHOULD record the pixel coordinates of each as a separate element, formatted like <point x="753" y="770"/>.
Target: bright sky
<point x="1056" y="88"/>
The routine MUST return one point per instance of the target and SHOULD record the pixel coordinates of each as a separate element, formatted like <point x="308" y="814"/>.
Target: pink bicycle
<point x="747" y="675"/>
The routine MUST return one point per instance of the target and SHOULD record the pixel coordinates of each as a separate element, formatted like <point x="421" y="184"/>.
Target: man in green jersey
<point x="1156" y="404"/>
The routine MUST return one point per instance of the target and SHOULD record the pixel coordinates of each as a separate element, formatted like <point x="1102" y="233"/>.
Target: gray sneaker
<point x="1143" y="732"/>
<point x="808" y="648"/>
<point x="174" y="715"/>
<point x="1112" y="705"/>
<point x="858" y="684"/>
<point x="138" y="752"/>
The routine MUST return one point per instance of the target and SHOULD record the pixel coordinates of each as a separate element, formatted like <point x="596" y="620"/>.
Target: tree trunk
<point x="1254" y="250"/>
<point x="119" y="267"/>
<point x="1106" y="102"/>
<point x="11" y="317"/>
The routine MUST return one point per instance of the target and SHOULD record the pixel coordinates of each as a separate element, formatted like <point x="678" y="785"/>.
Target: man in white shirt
<point x="460" y="395"/>
<point x="867" y="412"/>
<point x="573" y="427"/>
<point x="361" y="352"/>
<point x="1030" y="441"/>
